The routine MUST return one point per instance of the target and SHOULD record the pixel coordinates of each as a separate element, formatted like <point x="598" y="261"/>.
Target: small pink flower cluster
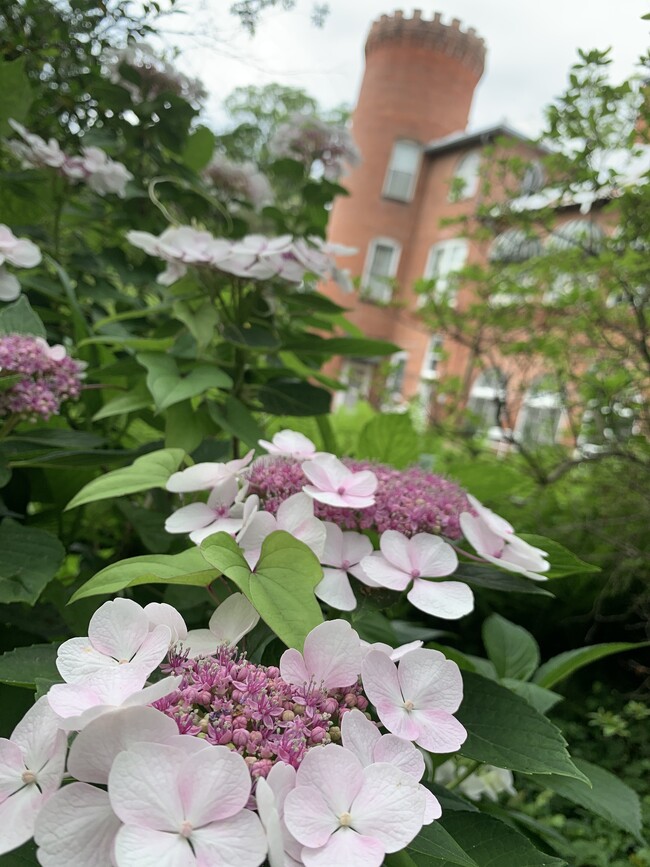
<point x="102" y="174"/>
<point x="310" y="140"/>
<point x="228" y="700"/>
<point x="239" y="180"/>
<point x="48" y="377"/>
<point x="410" y="501"/>
<point x="254" y="257"/>
<point x="141" y="790"/>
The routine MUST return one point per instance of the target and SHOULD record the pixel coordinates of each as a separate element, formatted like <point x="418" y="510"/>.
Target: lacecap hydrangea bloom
<point x="18" y="252"/>
<point x="155" y="76"/>
<point x="310" y="140"/>
<point x="48" y="376"/>
<point x="223" y="760"/>
<point x="238" y="180"/>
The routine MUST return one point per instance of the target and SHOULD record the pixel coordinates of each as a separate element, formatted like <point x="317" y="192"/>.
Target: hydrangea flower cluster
<point x="226" y="762"/>
<point x="155" y="75"/>
<point x="254" y="257"/>
<point x="93" y="166"/>
<point x="48" y="376"/>
<point x="19" y="252"/>
<point x="310" y="140"/>
<point x="239" y="180"/>
<point x="325" y="502"/>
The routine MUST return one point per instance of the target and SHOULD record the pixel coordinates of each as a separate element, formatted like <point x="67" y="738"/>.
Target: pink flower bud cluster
<point x="239" y="180"/>
<point x="93" y="166"/>
<point x="155" y="75"/>
<point x="310" y="140"/>
<point x="48" y="377"/>
<point x="410" y="501"/>
<point x="249" y="708"/>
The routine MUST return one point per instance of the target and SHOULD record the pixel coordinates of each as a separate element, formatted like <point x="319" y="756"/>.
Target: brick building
<point x="420" y="170"/>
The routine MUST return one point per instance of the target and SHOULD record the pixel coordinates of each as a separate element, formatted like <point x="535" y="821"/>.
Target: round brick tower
<point x="418" y="86"/>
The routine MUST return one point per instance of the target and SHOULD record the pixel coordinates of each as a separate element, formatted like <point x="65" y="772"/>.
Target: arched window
<point x="486" y="398"/>
<point x="541" y="412"/>
<point x="380" y="270"/>
<point x="533" y="179"/>
<point x="465" y="182"/>
<point x="444" y="261"/>
<point x="402" y="171"/>
<point x="576" y="235"/>
<point x="514" y="246"/>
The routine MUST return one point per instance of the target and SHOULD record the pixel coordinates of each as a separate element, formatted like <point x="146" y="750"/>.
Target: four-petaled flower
<point x="334" y="484"/>
<point x="205" y="476"/>
<point x="331" y="658"/>
<point x="295" y="516"/>
<point x="342" y="554"/>
<point x="291" y="444"/>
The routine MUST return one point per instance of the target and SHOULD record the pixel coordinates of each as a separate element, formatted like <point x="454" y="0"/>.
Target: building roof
<point x="458" y="140"/>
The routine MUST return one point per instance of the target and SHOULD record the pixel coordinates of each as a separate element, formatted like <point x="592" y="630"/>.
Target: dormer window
<point x="465" y="182"/>
<point x="402" y="171"/>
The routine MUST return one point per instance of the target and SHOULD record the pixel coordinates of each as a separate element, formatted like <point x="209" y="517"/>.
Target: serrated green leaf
<point x="491" y="578"/>
<point x="146" y="472"/>
<point x="15" y="93"/>
<point x="506" y="731"/>
<point x="563" y="562"/>
<point x="29" y="559"/>
<point x="511" y="648"/>
<point x="168" y="386"/>
<point x="435" y="845"/>
<point x="24" y="665"/>
<point x="19" y="318"/>
<point x="561" y="666"/>
<point x="608" y="796"/>
<point x="188" y="568"/>
<point x="131" y="401"/>
<point x="492" y="843"/>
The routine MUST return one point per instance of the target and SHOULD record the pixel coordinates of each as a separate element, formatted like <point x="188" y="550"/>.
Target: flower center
<point x="415" y="573"/>
<point x="186" y="829"/>
<point x="408" y="704"/>
<point x="345" y="819"/>
<point x="28" y="777"/>
<point x="340" y="490"/>
<point x="345" y="565"/>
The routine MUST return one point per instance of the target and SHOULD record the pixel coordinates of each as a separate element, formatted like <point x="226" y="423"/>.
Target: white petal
<point x="118" y="628"/>
<point x="431" y="681"/>
<point x="346" y="848"/>
<point x="238" y="841"/>
<point x="432" y="556"/>
<point x="161" y="613"/>
<point x="383" y="573"/>
<point x="360" y="736"/>
<point x="335" y="589"/>
<point x="143" y="847"/>
<point x="333" y="655"/>
<point x="389" y="807"/>
<point x="18" y="817"/>
<point x="143" y="786"/>
<point x="233" y="619"/>
<point x="190" y="518"/>
<point x="448" y="600"/>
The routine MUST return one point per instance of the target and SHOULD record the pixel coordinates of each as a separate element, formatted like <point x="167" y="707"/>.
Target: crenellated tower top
<point x="464" y="45"/>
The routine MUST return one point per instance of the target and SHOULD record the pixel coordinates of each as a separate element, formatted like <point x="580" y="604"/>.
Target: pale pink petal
<point x="118" y="628"/>
<point x="383" y="573"/>
<point x="398" y="720"/>
<point x="399" y="753"/>
<point x="335" y="773"/>
<point x="432" y="556"/>
<point x="496" y="523"/>
<point x="12" y="766"/>
<point x="233" y="619"/>
<point x="94" y="749"/>
<point x="396" y="548"/>
<point x="333" y="549"/>
<point x="356" y="546"/>
<point x="153" y="649"/>
<point x="190" y="518"/>
<point x="296" y="516"/>
<point x="293" y="669"/>
<point x="76" y="828"/>
<point x="432" y="809"/>
<point x="341" y="501"/>
<point x="270" y="818"/>
<point x="431" y="681"/>
<point x="232" y="526"/>
<point x="326" y="473"/>
<point x="361" y="484"/>
<point x="143" y="847"/>
<point x="214" y="784"/>
<point x="50" y="775"/>
<point x="200" y="477"/>
<point x="143" y="786"/>
<point x="440" y="732"/>
<point x="290" y="443"/>
<point x="389" y="807"/>
<point x="361" y="575"/>
<point x="346" y="848"/>
<point x="380" y="679"/>
<point x="152" y="693"/>
<point x="77" y="660"/>
<point x="260" y="526"/>
<point x="160" y="613"/>
<point x="335" y="589"/>
<point x="238" y="840"/>
<point x="480" y="536"/>
<point x="69" y="700"/>
<point x="224" y="493"/>
<point x="37" y="734"/>
<point x="403" y="649"/>
<point x="333" y="654"/>
<point x="448" y="600"/>
<point x="360" y="736"/>
<point x="309" y="817"/>
<point x="18" y="817"/>
<point x="504" y="563"/>
<point x="201" y="642"/>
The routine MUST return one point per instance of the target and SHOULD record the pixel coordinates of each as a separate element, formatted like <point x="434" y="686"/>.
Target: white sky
<point x="531" y="45"/>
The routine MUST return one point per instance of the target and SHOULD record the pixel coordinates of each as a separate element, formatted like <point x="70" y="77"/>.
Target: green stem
<point x="327" y="434"/>
<point x="8" y="426"/>
<point x="474" y="766"/>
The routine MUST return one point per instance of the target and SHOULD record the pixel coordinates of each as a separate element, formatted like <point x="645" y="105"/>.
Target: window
<point x="576" y="235"/>
<point x="402" y="171"/>
<point x="380" y="270"/>
<point x="358" y="375"/>
<point x="514" y="246"/>
<point x="486" y="398"/>
<point x="533" y="179"/>
<point x="445" y="260"/>
<point x="432" y="357"/>
<point x="465" y="182"/>
<point x="540" y="415"/>
<point x="396" y="373"/>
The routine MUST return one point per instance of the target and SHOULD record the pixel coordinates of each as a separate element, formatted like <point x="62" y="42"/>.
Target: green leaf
<point x="491" y="578"/>
<point x="562" y="561"/>
<point x="198" y="149"/>
<point x="131" y="401"/>
<point x="168" y="386"/>
<point x="141" y="344"/>
<point x="312" y="344"/>
<point x="390" y="439"/>
<point x="15" y="94"/>
<point x="435" y="845"/>
<point x="504" y="730"/>
<point x="23" y="857"/>
<point x="19" y="318"/>
<point x="512" y="649"/>
<point x="561" y="666"/>
<point x="202" y="323"/>
<point x="238" y="420"/>
<point x="255" y="337"/>
<point x="450" y="800"/>
<point x="149" y="471"/>
<point x="59" y="438"/>
<point x="282" y="586"/>
<point x="287" y="397"/>
<point x="541" y="699"/>
<point x="29" y="559"/>
<point x="188" y="568"/>
<point x="608" y="796"/>
<point x="22" y="666"/>
<point x="492" y="843"/>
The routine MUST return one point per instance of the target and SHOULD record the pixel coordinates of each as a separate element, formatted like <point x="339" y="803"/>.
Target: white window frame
<point x="386" y="191"/>
<point x="367" y="274"/>
<point x="442" y="282"/>
<point x="363" y="393"/>
<point x="493" y="393"/>
<point x="550" y="400"/>
<point x="470" y="189"/>
<point x="435" y="344"/>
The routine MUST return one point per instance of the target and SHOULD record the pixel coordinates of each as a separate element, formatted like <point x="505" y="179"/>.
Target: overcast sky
<point x="531" y="45"/>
